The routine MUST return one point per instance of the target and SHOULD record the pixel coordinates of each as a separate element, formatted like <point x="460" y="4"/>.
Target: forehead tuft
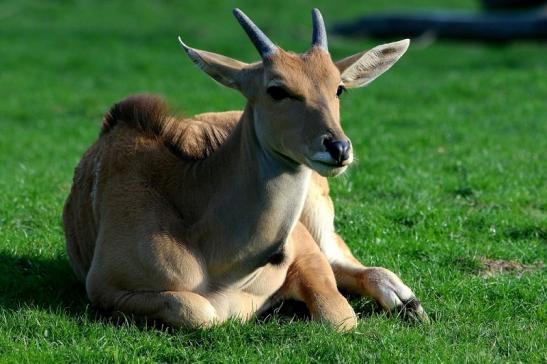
<point x="314" y="66"/>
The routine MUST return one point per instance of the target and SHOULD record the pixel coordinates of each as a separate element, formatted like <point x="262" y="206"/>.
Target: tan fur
<point x="197" y="220"/>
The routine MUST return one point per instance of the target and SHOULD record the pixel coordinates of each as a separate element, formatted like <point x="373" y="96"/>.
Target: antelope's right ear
<point x="362" y="68"/>
<point x="224" y="70"/>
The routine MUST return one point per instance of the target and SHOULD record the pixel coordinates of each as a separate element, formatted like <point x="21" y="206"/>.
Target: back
<point x="138" y="140"/>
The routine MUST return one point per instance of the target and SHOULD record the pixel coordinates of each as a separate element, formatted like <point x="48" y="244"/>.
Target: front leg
<point x="311" y="280"/>
<point x="378" y="283"/>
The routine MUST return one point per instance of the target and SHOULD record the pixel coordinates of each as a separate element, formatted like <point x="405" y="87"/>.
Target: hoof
<point x="412" y="310"/>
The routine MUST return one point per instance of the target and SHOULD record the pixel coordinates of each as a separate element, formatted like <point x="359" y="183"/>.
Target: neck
<point x="251" y="198"/>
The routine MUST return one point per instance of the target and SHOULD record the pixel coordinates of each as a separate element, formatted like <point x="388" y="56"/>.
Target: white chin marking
<point x="327" y="170"/>
<point x="322" y="157"/>
<point x="325" y="165"/>
<point x="322" y="163"/>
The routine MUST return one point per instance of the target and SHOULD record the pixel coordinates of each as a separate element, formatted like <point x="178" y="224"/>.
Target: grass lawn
<point x="450" y="182"/>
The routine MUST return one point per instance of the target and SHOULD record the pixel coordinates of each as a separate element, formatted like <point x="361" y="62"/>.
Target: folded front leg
<point x="310" y="279"/>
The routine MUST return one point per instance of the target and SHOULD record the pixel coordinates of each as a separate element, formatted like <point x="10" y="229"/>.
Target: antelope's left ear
<point x="362" y="68"/>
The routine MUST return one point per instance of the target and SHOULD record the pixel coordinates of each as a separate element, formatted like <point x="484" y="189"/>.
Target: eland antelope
<point x="197" y="220"/>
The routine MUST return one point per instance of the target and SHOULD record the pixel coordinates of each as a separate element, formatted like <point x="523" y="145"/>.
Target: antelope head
<point x="294" y="98"/>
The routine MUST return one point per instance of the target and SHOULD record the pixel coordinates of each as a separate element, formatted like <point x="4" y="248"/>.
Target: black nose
<point x="338" y="149"/>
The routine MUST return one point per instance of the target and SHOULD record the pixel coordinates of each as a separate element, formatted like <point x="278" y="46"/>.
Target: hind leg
<point x="180" y="309"/>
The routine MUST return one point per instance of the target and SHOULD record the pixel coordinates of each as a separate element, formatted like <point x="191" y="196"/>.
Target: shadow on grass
<point x="40" y="282"/>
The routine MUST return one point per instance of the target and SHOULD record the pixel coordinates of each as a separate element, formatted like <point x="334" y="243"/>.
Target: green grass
<point x="452" y="153"/>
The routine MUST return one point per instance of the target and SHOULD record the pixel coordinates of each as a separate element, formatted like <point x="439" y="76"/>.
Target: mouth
<point x="327" y="169"/>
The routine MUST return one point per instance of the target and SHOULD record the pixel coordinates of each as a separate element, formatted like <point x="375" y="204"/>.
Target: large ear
<point x="222" y="69"/>
<point x="362" y="68"/>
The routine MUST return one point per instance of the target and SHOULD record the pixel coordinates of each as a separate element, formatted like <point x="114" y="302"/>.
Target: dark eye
<point x="277" y="93"/>
<point x="340" y="91"/>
